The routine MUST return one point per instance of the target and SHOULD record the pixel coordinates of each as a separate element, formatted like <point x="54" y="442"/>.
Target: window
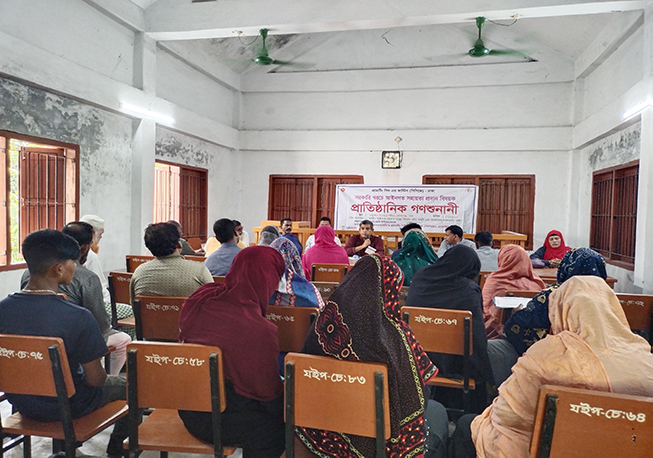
<point x="305" y="197"/>
<point x="38" y="190"/>
<point x="505" y="202"/>
<point x="614" y="213"/>
<point x="180" y="193"/>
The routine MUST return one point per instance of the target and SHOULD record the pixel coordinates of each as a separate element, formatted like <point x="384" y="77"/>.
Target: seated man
<point x="489" y="256"/>
<point x="324" y="221"/>
<point x="365" y="242"/>
<point x="213" y="244"/>
<point x="169" y="274"/>
<point x="53" y="259"/>
<point x="219" y="262"/>
<point x="286" y="228"/>
<point x="85" y="290"/>
<point x="453" y="236"/>
<point x="186" y="249"/>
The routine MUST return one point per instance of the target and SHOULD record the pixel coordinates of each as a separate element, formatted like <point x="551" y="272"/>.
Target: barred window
<point x="614" y="213"/>
<point x="38" y="190"/>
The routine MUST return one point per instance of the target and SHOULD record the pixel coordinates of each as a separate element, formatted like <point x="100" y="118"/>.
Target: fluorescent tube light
<point x="131" y="109"/>
<point x="638" y="108"/>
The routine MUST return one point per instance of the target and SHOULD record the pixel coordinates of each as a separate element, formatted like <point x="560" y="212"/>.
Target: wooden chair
<point x="326" y="288"/>
<point x="403" y="292"/>
<point x="38" y="366"/>
<point x="119" y="292"/>
<point x="15" y="441"/>
<point x="135" y="260"/>
<point x="445" y="331"/>
<point x="517" y="293"/>
<point x="293" y="324"/>
<point x="345" y="396"/>
<point x="157" y="317"/>
<point x="483" y="276"/>
<point x="190" y="257"/>
<point x="218" y="279"/>
<point x="159" y="376"/>
<point x="328" y="272"/>
<point x="195" y="243"/>
<point x="637" y="308"/>
<point x="576" y="423"/>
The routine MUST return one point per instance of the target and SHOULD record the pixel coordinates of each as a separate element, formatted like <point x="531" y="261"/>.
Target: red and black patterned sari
<point x="362" y="322"/>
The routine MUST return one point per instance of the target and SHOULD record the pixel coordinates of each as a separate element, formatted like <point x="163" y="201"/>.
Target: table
<point x="549" y="275"/>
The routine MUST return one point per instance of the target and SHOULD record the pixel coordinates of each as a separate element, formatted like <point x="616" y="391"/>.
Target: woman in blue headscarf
<point x="416" y="253"/>
<point x="294" y="290"/>
<point x="527" y="326"/>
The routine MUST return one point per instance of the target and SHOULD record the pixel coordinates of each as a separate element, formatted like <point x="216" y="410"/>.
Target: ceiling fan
<point x="479" y="49"/>
<point x="262" y="57"/>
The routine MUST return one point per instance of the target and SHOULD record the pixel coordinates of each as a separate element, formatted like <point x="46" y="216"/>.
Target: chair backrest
<point x="637" y="308"/>
<point x="336" y="395"/>
<point x="157" y="317"/>
<point x="135" y="260"/>
<point x="195" y="243"/>
<point x="26" y="365"/>
<point x="440" y="330"/>
<point x="218" y="279"/>
<point x="195" y="258"/>
<point x="517" y="293"/>
<point x="326" y="288"/>
<point x="483" y="277"/>
<point x="119" y="287"/>
<point x="162" y="374"/>
<point x="403" y="292"/>
<point x="577" y="423"/>
<point x="328" y="272"/>
<point x="293" y="324"/>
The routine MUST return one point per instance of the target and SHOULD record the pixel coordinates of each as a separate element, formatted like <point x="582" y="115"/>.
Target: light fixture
<point x="143" y="112"/>
<point x="638" y="108"/>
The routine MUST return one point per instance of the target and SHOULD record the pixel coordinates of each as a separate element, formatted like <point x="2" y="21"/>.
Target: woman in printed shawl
<point x="552" y="252"/>
<point x="294" y="290"/>
<point x="527" y="326"/>
<point x="590" y="346"/>
<point x="450" y="284"/>
<point x="515" y="273"/>
<point x="416" y="252"/>
<point x="325" y="250"/>
<point x="231" y="315"/>
<point x="361" y="322"/>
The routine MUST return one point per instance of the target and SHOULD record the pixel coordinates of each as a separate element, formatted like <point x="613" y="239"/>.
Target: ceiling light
<point x="144" y="112"/>
<point x="638" y="108"/>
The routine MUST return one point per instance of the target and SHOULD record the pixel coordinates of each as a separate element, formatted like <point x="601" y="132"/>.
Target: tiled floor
<point x="95" y="447"/>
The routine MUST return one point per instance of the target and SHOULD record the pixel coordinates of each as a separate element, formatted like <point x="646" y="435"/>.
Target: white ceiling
<point x="548" y="30"/>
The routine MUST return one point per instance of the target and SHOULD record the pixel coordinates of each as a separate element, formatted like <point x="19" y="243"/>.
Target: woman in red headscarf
<point x="552" y="252"/>
<point x="232" y="316"/>
<point x="325" y="250"/>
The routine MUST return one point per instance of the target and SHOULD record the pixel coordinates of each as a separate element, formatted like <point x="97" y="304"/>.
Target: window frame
<point x="5" y="189"/>
<point x="204" y="198"/>
<point x="610" y="256"/>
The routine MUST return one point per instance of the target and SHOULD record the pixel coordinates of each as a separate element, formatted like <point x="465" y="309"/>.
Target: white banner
<point x="434" y="207"/>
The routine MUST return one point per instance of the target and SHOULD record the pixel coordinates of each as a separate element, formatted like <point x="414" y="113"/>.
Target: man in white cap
<point x="93" y="262"/>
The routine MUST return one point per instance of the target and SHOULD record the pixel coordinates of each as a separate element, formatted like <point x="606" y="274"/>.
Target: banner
<point x="434" y="207"/>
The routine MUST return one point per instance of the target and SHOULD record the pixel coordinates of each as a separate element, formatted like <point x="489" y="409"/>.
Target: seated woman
<point x="530" y="324"/>
<point x="552" y="252"/>
<point x="416" y="252"/>
<point x="294" y="290"/>
<point x="268" y="235"/>
<point x="325" y="251"/>
<point x="361" y="322"/>
<point x="449" y="284"/>
<point x="231" y="315"/>
<point x="590" y="346"/>
<point x="515" y="273"/>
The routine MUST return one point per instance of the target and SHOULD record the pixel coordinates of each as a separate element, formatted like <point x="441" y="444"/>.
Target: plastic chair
<point x="577" y="423"/>
<point x="346" y="396"/>
<point x="293" y="324"/>
<point x="157" y="317"/>
<point x="159" y="377"/>
<point x="328" y="272"/>
<point x="38" y="366"/>
<point x="445" y="331"/>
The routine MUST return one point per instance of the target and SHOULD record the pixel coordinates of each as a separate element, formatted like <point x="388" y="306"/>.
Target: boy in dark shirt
<point x="38" y="310"/>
